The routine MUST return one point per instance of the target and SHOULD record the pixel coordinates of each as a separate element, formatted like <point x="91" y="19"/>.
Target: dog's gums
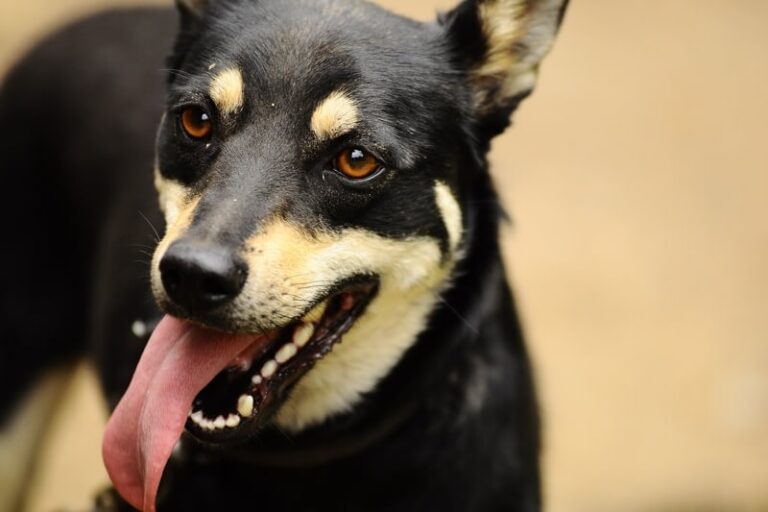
<point x="239" y="399"/>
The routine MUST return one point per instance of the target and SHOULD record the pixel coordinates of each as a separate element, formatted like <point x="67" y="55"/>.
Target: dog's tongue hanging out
<point x="179" y="361"/>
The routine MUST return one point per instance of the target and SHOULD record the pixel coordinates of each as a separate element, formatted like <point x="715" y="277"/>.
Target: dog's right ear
<point x="190" y="17"/>
<point x="499" y="44"/>
<point x="191" y="9"/>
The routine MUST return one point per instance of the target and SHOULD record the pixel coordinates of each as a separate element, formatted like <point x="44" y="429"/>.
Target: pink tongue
<point x="179" y="361"/>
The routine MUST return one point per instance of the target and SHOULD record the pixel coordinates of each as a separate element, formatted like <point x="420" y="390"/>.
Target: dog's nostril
<point x="171" y="280"/>
<point x="200" y="277"/>
<point x="213" y="286"/>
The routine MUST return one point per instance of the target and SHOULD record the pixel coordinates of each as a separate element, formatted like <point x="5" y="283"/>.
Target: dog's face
<point x="311" y="167"/>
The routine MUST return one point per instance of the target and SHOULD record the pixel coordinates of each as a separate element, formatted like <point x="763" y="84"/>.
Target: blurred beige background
<point x="638" y="179"/>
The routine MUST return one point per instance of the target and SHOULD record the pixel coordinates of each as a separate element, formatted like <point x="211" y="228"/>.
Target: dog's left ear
<point x="500" y="44"/>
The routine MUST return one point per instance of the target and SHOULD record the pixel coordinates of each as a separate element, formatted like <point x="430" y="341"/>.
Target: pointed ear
<point x="190" y="16"/>
<point x="191" y="8"/>
<point x="500" y="44"/>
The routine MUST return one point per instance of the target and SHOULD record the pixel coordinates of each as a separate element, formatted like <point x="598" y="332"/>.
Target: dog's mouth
<point x="220" y="387"/>
<point x="241" y="398"/>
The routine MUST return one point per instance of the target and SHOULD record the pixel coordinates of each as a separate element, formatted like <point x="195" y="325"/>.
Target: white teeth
<point x="220" y="423"/>
<point x="317" y="313"/>
<point x="233" y="421"/>
<point x="303" y="334"/>
<point x="286" y="353"/>
<point x="269" y="369"/>
<point x="245" y="406"/>
<point x="246" y="403"/>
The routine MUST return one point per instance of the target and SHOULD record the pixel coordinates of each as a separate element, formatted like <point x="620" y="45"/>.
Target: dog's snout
<point x="200" y="277"/>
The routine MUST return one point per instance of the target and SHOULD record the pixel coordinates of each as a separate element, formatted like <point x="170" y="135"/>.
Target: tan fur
<point x="519" y="34"/>
<point x="172" y="197"/>
<point x="451" y="213"/>
<point x="504" y="23"/>
<point x="287" y="265"/>
<point x="227" y="91"/>
<point x="335" y="116"/>
<point x="179" y="209"/>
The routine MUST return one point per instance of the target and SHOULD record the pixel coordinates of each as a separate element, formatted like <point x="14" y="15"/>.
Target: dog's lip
<point x="265" y="372"/>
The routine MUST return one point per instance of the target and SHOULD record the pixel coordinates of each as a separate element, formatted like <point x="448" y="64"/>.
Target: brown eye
<point x="196" y="123"/>
<point x="356" y="163"/>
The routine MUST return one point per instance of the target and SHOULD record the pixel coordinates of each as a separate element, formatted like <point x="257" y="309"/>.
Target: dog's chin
<point x="242" y="399"/>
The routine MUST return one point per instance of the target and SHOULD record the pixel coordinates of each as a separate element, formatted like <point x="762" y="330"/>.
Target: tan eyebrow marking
<point x="226" y="91"/>
<point x="336" y="115"/>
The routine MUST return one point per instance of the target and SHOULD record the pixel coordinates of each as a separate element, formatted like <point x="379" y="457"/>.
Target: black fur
<point x="455" y="425"/>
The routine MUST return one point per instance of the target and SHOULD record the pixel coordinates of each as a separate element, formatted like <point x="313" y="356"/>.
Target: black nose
<point x="201" y="276"/>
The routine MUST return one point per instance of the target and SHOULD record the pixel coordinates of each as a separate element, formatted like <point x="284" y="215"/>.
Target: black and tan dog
<point x="339" y="333"/>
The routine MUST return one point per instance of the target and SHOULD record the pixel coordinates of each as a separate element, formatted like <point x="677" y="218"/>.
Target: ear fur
<point x="191" y="8"/>
<point x="500" y="44"/>
<point x="190" y="20"/>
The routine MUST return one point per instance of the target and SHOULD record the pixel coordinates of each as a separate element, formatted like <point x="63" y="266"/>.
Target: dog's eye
<point x="196" y="123"/>
<point x="356" y="163"/>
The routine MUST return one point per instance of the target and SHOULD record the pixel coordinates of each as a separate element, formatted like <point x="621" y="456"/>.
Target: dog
<point x="325" y="323"/>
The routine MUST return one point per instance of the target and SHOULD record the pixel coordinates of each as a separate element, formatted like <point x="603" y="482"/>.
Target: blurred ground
<point x="637" y="176"/>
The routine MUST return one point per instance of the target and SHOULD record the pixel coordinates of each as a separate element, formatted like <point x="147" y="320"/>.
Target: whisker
<point x="152" y="226"/>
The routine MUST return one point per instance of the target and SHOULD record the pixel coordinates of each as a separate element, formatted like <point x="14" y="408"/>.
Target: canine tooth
<point x="269" y="369"/>
<point x="303" y="334"/>
<point x="233" y="420"/>
<point x="257" y="379"/>
<point x="197" y="417"/>
<point x="245" y="406"/>
<point x="286" y="353"/>
<point x="317" y="313"/>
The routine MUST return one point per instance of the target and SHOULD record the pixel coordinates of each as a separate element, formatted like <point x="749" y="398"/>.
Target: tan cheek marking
<point x="451" y="213"/>
<point x="287" y="262"/>
<point x="334" y="116"/>
<point x="227" y="91"/>
<point x="285" y="252"/>
<point x="171" y="196"/>
<point x="182" y="219"/>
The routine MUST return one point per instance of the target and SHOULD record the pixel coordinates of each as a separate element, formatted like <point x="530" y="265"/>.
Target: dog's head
<point x="312" y="167"/>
